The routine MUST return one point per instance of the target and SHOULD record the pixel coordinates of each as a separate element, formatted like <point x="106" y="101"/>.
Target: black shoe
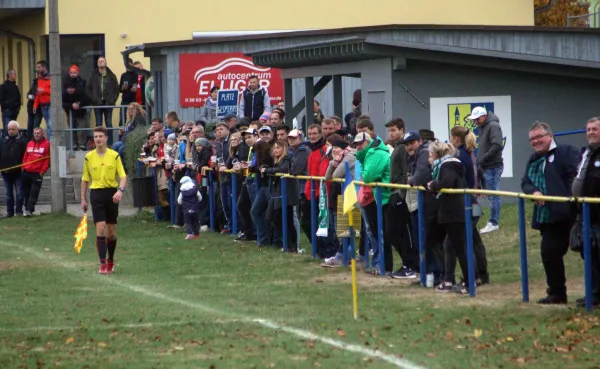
<point x="581" y="302"/>
<point x="484" y="279"/>
<point x="553" y="300"/>
<point x="241" y="237"/>
<point x="444" y="287"/>
<point x="404" y="273"/>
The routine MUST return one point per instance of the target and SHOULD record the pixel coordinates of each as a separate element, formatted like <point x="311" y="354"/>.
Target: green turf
<point x="190" y="304"/>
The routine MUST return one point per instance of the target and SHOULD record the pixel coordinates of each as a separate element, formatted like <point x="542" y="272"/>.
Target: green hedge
<point x="133" y="148"/>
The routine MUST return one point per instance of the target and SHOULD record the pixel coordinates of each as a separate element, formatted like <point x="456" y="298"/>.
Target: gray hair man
<point x="12" y="150"/>
<point x="550" y="172"/>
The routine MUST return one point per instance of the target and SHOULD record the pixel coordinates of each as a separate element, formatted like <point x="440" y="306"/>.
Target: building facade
<point x="90" y="29"/>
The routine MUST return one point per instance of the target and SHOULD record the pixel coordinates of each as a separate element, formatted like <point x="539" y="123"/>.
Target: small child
<point x="189" y="199"/>
<point x="171" y="149"/>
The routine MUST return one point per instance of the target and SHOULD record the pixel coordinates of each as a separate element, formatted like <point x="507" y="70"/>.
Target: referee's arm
<point x="85" y="178"/>
<point x="122" y="178"/>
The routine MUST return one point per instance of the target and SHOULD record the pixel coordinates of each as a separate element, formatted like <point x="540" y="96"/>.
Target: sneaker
<point x="103" y="269"/>
<point x="489" y="228"/>
<point x="174" y="226"/>
<point x="331" y="262"/>
<point x="461" y="289"/>
<point x="204" y="228"/>
<point x="444" y="287"/>
<point x="110" y="267"/>
<point x="553" y="300"/>
<point x="191" y="237"/>
<point x="404" y="273"/>
<point x="595" y="302"/>
<point x="225" y="231"/>
<point x="27" y="214"/>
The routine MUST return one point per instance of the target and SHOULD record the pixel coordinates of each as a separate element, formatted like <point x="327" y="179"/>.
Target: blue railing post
<point x="139" y="175"/>
<point x="284" y="233"/>
<point x="313" y="218"/>
<point x="421" y="225"/>
<point x="469" y="234"/>
<point x="211" y="200"/>
<point x="587" y="255"/>
<point x="379" y="231"/>
<point x="523" y="251"/>
<point x="156" y="204"/>
<point x="234" y="214"/>
<point x="172" y="200"/>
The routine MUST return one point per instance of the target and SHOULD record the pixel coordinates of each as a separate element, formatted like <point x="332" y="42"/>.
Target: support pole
<point x="57" y="184"/>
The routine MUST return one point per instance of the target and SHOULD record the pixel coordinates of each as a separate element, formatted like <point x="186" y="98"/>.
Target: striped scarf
<point x="537" y="177"/>
<point x="437" y="164"/>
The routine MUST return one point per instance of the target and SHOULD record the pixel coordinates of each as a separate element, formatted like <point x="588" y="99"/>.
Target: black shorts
<point x="103" y="207"/>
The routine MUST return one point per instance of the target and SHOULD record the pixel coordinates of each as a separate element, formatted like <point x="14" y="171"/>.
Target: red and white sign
<point x="198" y="73"/>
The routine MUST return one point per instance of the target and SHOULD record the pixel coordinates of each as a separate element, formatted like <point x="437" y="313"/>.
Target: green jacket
<point x="375" y="164"/>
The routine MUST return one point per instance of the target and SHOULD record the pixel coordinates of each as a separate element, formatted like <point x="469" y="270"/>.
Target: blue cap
<point x="411" y="136"/>
<point x="168" y="131"/>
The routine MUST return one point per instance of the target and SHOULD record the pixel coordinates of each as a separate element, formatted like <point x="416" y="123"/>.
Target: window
<point x="81" y="50"/>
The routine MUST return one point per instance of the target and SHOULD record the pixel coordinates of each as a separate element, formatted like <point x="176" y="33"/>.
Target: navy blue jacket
<point x="465" y="158"/>
<point x="561" y="169"/>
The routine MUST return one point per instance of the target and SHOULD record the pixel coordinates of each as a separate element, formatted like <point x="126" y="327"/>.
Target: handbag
<point x="476" y="210"/>
<point x="365" y="196"/>
<point x="576" y="237"/>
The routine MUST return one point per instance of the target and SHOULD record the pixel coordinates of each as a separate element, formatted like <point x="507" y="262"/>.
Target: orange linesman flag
<point x="81" y="233"/>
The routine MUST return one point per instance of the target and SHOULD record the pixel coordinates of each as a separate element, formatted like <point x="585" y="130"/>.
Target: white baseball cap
<point x="362" y="137"/>
<point x="479" y="111"/>
<point x="294" y="133"/>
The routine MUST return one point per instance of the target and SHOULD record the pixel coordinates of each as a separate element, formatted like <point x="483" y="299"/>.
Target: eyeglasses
<point x="535" y="138"/>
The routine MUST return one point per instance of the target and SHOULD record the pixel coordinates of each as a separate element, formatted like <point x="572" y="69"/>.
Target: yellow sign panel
<point x="342" y="226"/>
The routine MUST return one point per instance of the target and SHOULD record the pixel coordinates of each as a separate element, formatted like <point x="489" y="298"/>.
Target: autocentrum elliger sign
<point x="198" y="73"/>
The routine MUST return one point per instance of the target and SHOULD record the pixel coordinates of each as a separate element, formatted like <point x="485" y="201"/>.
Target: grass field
<point x="213" y="303"/>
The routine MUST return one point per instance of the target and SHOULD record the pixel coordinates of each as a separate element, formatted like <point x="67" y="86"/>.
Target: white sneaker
<point x="489" y="228"/>
<point x="204" y="228"/>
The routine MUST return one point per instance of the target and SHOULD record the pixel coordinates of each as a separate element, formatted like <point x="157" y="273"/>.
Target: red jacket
<point x="42" y="98"/>
<point x="317" y="166"/>
<point x="37" y="150"/>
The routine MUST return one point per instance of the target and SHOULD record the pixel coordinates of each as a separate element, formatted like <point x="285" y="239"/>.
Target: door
<point x="376" y="109"/>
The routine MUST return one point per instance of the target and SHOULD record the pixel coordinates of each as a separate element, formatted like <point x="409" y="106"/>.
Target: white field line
<point x="376" y="354"/>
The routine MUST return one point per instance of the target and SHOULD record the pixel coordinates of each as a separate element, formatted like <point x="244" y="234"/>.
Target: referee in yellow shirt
<point x="101" y="167"/>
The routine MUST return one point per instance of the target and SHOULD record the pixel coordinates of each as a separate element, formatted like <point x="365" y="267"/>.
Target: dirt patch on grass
<point x="492" y="295"/>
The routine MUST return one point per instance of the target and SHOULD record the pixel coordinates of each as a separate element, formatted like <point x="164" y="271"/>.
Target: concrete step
<point x="46" y="191"/>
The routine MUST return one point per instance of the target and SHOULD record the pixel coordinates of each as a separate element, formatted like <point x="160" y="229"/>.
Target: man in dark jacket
<point x="74" y="99"/>
<point x="10" y="99"/>
<point x="489" y="159"/>
<point x="255" y="100"/>
<point x="550" y="172"/>
<point x="587" y="184"/>
<point x="398" y="217"/>
<point x="74" y="77"/>
<point x="133" y="87"/>
<point x="299" y="151"/>
<point x="222" y="153"/>
<point x="103" y="90"/>
<point x="12" y="150"/>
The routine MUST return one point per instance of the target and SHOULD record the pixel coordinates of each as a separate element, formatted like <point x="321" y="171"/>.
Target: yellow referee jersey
<point x="102" y="171"/>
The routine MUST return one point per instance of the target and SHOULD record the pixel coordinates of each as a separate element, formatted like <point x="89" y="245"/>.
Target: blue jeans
<point x="13" y="180"/>
<point x="258" y="211"/>
<point x="226" y="202"/>
<point x="48" y="118"/>
<point x="107" y="113"/>
<point x="120" y="148"/>
<point x="492" y="182"/>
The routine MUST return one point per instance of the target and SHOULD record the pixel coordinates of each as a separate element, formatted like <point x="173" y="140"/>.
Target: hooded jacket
<point x="316" y="166"/>
<point x="300" y="159"/>
<point x="375" y="162"/>
<point x="103" y="96"/>
<point x="450" y="207"/>
<point x="189" y="196"/>
<point x="12" y="150"/>
<point x="209" y="113"/>
<point x="489" y="151"/>
<point x="36" y="150"/>
<point x="42" y="98"/>
<point x="10" y="97"/>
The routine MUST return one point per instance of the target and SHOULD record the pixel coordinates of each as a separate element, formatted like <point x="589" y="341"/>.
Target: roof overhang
<point x="12" y="8"/>
<point x="351" y="49"/>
